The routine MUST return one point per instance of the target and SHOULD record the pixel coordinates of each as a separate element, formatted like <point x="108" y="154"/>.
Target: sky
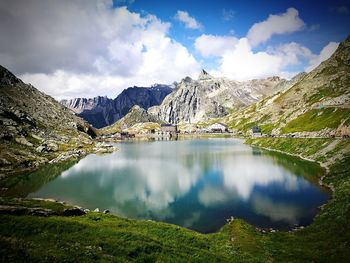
<point x="86" y="48"/>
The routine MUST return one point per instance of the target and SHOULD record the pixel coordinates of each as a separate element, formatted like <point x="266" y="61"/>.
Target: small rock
<point x="106" y="211"/>
<point x="52" y="147"/>
<point x="37" y="137"/>
<point x="40" y="148"/>
<point x="86" y="210"/>
<point x="23" y="141"/>
<point x="97" y="210"/>
<point x="4" y="162"/>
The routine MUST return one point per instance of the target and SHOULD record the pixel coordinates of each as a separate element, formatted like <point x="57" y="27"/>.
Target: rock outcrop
<point x="208" y="97"/>
<point x="102" y="111"/>
<point x="34" y="127"/>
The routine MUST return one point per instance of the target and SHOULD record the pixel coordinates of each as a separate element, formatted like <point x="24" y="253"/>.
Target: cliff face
<point x="102" y="111"/>
<point x="209" y="97"/>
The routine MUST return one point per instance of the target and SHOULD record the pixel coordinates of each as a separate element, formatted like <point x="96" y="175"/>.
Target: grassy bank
<point x="100" y="237"/>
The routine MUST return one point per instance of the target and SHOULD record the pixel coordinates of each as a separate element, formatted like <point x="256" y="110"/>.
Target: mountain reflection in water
<point x="194" y="183"/>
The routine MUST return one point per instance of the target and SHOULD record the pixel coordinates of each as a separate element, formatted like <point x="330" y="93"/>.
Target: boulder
<point x="4" y="162"/>
<point x="104" y="148"/>
<point x="47" y="147"/>
<point x="23" y="141"/>
<point x="75" y="211"/>
<point x="19" y="210"/>
<point x="40" y="148"/>
<point x="41" y="212"/>
<point x="52" y="147"/>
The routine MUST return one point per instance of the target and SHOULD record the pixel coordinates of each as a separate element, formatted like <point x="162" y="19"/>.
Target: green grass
<point x="99" y="237"/>
<point x="318" y="119"/>
<point x="335" y="88"/>
<point x="105" y="238"/>
<point x="299" y="146"/>
<point x="267" y="128"/>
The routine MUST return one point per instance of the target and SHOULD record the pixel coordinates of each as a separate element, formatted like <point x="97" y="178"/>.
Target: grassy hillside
<point x="318" y="103"/>
<point x="101" y="237"/>
<point x="137" y="120"/>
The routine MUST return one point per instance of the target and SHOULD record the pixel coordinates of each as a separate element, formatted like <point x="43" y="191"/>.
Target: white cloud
<point x="87" y="48"/>
<point x="242" y="63"/>
<point x="325" y="53"/>
<point x="190" y="22"/>
<point x="287" y="22"/>
<point x="238" y="60"/>
<point x="210" y="45"/>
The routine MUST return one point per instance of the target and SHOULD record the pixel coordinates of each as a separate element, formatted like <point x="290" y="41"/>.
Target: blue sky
<point x="325" y="20"/>
<point x="332" y="23"/>
<point x="75" y="48"/>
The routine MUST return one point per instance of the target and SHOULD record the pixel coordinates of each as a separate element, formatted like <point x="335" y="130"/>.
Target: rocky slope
<point x="317" y="104"/>
<point x="35" y="128"/>
<point x="136" y="115"/>
<point x="102" y="111"/>
<point x="208" y="97"/>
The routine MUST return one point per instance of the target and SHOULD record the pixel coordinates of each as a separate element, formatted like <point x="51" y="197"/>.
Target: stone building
<point x="217" y="127"/>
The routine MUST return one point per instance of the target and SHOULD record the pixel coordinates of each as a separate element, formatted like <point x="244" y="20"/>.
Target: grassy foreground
<point x="100" y="237"/>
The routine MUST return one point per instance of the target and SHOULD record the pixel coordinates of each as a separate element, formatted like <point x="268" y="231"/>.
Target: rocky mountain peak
<point x="103" y="111"/>
<point x="342" y="51"/>
<point x="274" y="78"/>
<point x="136" y="108"/>
<point x="7" y="77"/>
<point x="210" y="97"/>
<point x="204" y="75"/>
<point x="187" y="79"/>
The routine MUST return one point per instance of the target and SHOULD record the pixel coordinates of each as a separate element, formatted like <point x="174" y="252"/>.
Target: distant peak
<point x="204" y="75"/>
<point x="274" y="78"/>
<point x="136" y="108"/>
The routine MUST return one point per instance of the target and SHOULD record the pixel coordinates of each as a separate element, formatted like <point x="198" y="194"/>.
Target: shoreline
<point x="235" y="238"/>
<point x="263" y="230"/>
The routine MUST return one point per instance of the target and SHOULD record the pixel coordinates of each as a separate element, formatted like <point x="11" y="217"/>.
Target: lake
<point x="194" y="183"/>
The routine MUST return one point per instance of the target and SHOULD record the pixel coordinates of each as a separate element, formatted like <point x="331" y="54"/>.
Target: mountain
<point x="102" y="111"/>
<point x="135" y="116"/>
<point x="99" y="111"/>
<point x="208" y="97"/>
<point x="35" y="128"/>
<point x="317" y="104"/>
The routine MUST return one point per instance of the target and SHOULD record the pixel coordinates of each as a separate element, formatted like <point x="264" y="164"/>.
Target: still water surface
<point x="195" y="183"/>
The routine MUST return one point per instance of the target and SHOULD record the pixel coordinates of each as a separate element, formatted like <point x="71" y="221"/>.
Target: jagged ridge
<point x="208" y="97"/>
<point x="102" y="111"/>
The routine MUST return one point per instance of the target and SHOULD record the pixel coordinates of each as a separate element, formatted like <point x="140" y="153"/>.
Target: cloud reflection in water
<point x="190" y="183"/>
